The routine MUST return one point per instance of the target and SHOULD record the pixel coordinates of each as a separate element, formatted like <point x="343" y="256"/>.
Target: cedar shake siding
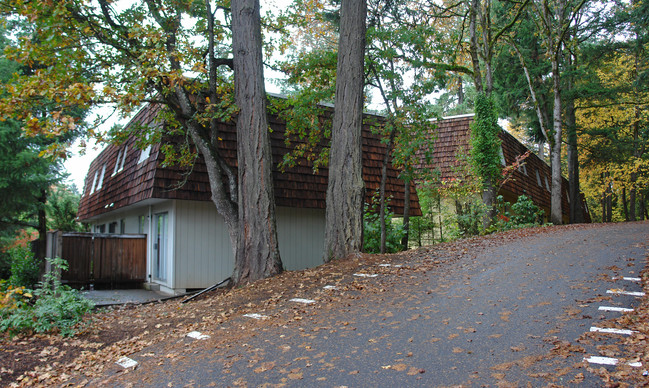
<point x="533" y="179"/>
<point x="120" y="176"/>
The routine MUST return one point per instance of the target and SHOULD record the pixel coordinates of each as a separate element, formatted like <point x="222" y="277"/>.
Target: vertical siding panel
<point x="301" y="237"/>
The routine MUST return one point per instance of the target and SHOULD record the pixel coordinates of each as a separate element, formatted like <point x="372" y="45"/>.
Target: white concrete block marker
<point x="197" y="335"/>
<point x="126" y="362"/>
<point x="390" y="265"/>
<point x="609" y="361"/>
<point x="617" y="291"/>
<point x="616" y="309"/>
<point x="301" y="300"/>
<point x="330" y="287"/>
<point x="611" y="331"/>
<point x="256" y="316"/>
<point x="366" y="275"/>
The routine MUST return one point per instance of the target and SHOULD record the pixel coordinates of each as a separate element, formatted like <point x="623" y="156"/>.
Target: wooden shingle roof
<point x="451" y="140"/>
<point x="298" y="186"/>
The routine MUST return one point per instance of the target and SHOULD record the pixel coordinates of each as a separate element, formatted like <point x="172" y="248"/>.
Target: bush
<point x="372" y="230"/>
<point x="526" y="212"/>
<point x="24" y="267"/>
<point x="53" y="307"/>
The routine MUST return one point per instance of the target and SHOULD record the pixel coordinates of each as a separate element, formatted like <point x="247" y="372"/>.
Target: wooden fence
<point x="105" y="260"/>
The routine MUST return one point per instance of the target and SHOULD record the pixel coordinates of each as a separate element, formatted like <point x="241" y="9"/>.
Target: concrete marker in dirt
<point x="126" y="362"/>
<point x="197" y="335"/>
<point x="256" y="316"/>
<point x="301" y="300"/>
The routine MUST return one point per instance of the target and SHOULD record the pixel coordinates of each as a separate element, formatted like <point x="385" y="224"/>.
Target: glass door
<point x="160" y="254"/>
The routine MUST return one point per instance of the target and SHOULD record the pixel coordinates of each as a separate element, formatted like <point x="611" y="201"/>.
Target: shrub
<point x="526" y="212"/>
<point x="24" y="267"/>
<point x="372" y="231"/>
<point x="53" y="307"/>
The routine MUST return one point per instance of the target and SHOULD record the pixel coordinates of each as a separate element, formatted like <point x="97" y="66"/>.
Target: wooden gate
<point x="105" y="260"/>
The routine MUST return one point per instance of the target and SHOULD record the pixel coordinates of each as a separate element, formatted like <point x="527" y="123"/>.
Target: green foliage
<point x="485" y="152"/>
<point x="51" y="308"/>
<point x="469" y="218"/>
<point x="61" y="209"/>
<point x="372" y="230"/>
<point x="525" y="212"/>
<point x="24" y="267"/>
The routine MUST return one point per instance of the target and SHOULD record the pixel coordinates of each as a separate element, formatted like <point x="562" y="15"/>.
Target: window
<point x="522" y="168"/>
<point x="121" y="166"/>
<point x="94" y="182"/>
<point x="117" y="163"/>
<point x="538" y="178"/>
<point x="122" y="226"/>
<point x="112" y="227"/>
<point x="502" y="156"/>
<point x="145" y="154"/>
<point x="101" y="178"/>
<point x="140" y="224"/>
<point x="100" y="228"/>
<point x="547" y="186"/>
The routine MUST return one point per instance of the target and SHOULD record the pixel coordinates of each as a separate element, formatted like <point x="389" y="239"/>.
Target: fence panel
<point x="105" y="260"/>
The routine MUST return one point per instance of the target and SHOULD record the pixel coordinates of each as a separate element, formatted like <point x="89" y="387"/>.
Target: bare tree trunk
<point x="460" y="92"/>
<point x="406" y="215"/>
<point x="625" y="205"/>
<point x="41" y="243"/>
<point x="556" y="214"/>
<point x="576" y="211"/>
<point x="344" y="224"/>
<point x="257" y="252"/>
<point x="384" y="178"/>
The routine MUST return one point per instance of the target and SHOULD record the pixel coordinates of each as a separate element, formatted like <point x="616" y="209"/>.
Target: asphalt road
<point x="501" y="311"/>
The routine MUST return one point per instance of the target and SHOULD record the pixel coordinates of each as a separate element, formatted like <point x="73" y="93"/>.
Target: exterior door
<point x="160" y="250"/>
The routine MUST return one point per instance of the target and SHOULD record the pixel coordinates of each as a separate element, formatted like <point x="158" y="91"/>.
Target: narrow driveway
<point x="504" y="310"/>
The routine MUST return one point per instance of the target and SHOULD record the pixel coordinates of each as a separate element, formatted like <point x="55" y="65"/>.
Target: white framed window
<point x="547" y="186"/>
<point x="94" y="182"/>
<point x="121" y="166"/>
<point x="100" y="182"/>
<point x="502" y="156"/>
<point x="144" y="155"/>
<point x="522" y="168"/>
<point x="538" y="178"/>
<point x="117" y="163"/>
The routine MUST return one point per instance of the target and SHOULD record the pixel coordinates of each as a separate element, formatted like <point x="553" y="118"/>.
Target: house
<point x="129" y="190"/>
<point x="533" y="178"/>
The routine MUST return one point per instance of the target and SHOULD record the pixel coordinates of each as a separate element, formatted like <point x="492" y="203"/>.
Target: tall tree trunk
<point x="556" y="214"/>
<point x="258" y="251"/>
<point x="474" y="12"/>
<point x="41" y="243"/>
<point x="576" y="211"/>
<point x="406" y="215"/>
<point x="384" y="178"/>
<point x="625" y="205"/>
<point x="460" y="92"/>
<point x="344" y="224"/>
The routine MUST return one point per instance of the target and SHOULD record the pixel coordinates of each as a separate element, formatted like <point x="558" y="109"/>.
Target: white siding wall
<point x="200" y="253"/>
<point x="203" y="251"/>
<point x="301" y="237"/>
